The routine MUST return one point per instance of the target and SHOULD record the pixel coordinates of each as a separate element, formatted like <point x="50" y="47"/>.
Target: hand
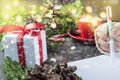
<point x="115" y="33"/>
<point x="103" y="39"/>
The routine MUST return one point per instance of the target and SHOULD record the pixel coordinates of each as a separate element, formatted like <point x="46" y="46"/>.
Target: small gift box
<point x="27" y="47"/>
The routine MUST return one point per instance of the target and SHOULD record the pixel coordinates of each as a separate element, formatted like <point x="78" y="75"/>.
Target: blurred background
<point x="58" y="15"/>
<point x="92" y="7"/>
<point x="98" y="7"/>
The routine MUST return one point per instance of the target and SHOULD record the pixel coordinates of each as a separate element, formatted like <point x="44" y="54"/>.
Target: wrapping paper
<point x="34" y="48"/>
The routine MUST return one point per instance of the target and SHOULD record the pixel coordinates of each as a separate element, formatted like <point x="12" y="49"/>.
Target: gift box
<point x="27" y="48"/>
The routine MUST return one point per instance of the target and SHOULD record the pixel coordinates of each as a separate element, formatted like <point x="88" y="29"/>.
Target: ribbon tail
<point x="40" y="48"/>
<point x="59" y="37"/>
<point x="10" y="28"/>
<point x="21" y="51"/>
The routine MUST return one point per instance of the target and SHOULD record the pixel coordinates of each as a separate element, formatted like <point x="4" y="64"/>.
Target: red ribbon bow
<point x="10" y="28"/>
<point x="29" y="29"/>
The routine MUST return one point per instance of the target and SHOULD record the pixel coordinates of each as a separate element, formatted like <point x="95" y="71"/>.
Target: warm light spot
<point x="73" y="11"/>
<point x="32" y="12"/>
<point x="18" y="18"/>
<point x="49" y="15"/>
<point x="94" y="23"/>
<point x="53" y="25"/>
<point x="73" y="47"/>
<point x="38" y="18"/>
<point x="6" y="46"/>
<point x="41" y="8"/>
<point x="89" y="9"/>
<point x="16" y="3"/>
<point x="12" y="42"/>
<point x="51" y="11"/>
<point x="7" y="7"/>
<point x="6" y="16"/>
<point x="103" y="15"/>
<point x="88" y="17"/>
<point x="53" y="59"/>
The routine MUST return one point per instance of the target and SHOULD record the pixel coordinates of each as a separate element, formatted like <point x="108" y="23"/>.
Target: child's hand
<point x="103" y="39"/>
<point x="115" y="33"/>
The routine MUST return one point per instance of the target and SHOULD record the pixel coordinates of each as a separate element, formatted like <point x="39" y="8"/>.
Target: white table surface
<point x="98" y="68"/>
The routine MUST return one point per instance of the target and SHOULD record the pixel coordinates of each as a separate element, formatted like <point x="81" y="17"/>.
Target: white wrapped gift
<point x="35" y="52"/>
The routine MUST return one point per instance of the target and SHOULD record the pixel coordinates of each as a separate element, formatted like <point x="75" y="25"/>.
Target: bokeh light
<point x="11" y="41"/>
<point x="6" y="46"/>
<point x="89" y="9"/>
<point x="7" y="7"/>
<point x="18" y="18"/>
<point x="16" y="3"/>
<point x="103" y="15"/>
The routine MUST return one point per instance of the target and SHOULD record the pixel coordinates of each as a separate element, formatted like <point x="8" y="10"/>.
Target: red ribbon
<point x="20" y="43"/>
<point x="59" y="37"/>
<point x="29" y="31"/>
<point x="12" y="27"/>
<point x="21" y="52"/>
<point x="40" y="45"/>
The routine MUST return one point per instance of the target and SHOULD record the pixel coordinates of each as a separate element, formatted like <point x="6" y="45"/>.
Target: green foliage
<point x="13" y="70"/>
<point x="64" y="18"/>
<point x="1" y="36"/>
<point x="1" y="42"/>
<point x="74" y="10"/>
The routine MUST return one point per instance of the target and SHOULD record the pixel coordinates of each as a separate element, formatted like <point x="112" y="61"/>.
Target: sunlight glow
<point x="7" y="7"/>
<point x="103" y="15"/>
<point x="89" y="9"/>
<point x="32" y="12"/>
<point x="18" y="18"/>
<point x="16" y="3"/>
